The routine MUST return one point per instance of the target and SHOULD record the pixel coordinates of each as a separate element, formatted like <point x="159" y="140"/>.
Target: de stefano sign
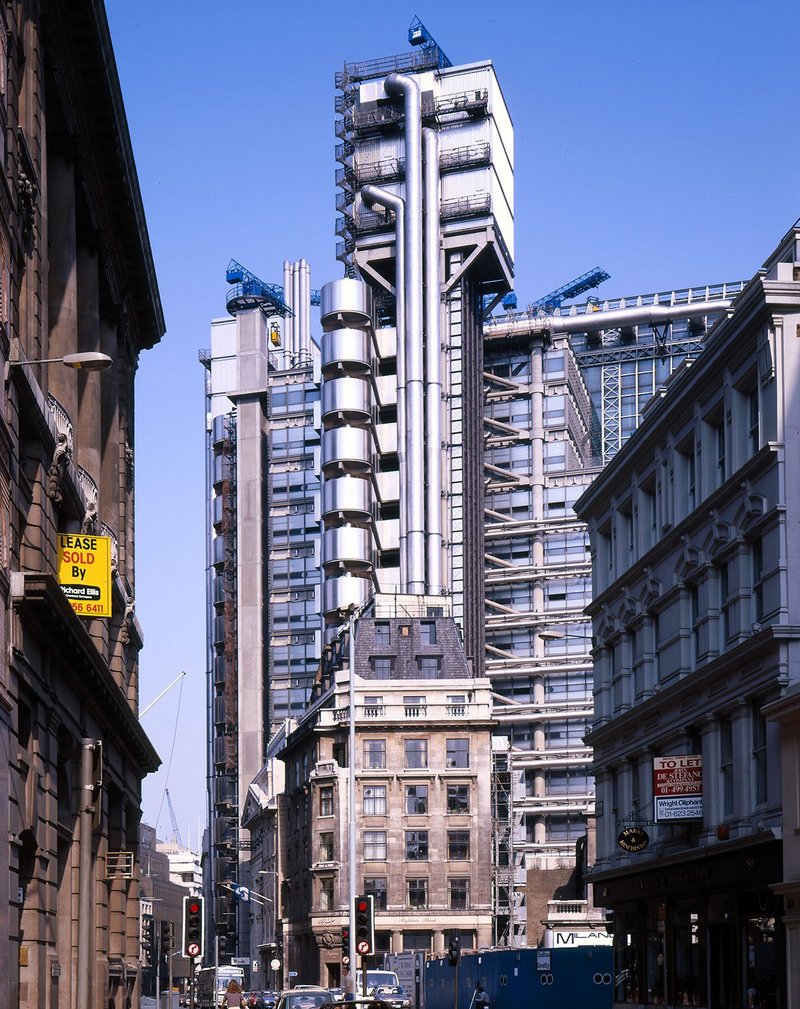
<point x="678" y="787"/>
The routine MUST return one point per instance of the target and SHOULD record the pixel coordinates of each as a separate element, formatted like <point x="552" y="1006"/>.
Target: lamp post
<point x="88" y="360"/>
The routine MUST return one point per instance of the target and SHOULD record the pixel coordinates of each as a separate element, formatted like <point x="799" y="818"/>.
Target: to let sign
<point x="84" y="572"/>
<point x="678" y="787"/>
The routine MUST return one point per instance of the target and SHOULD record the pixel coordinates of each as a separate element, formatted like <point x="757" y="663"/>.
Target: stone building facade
<point x="696" y="613"/>
<point x="423" y="800"/>
<point x="76" y="276"/>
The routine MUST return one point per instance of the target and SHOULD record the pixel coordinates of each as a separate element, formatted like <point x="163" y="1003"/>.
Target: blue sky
<point x="656" y="140"/>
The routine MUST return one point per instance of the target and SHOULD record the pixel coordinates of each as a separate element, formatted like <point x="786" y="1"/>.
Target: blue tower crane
<point x="579" y="285"/>
<point x="251" y="292"/>
<point x="418" y="35"/>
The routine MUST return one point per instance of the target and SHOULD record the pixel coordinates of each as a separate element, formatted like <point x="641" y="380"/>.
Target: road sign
<point x="242" y="893"/>
<point x="240" y="961"/>
<point x="275" y="963"/>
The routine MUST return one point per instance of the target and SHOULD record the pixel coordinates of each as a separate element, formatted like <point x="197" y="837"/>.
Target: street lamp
<point x="87" y="360"/>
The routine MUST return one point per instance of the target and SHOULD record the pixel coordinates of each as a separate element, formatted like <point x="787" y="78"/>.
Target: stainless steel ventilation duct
<point x="297" y="303"/>
<point x="304" y="340"/>
<point x="433" y="367"/>
<point x="372" y="195"/>
<point x="401" y="84"/>
<point x="288" y="321"/>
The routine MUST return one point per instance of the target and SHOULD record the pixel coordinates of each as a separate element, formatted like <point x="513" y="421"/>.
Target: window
<point x="374" y="800"/>
<point x="417" y="892"/>
<point x="416" y="800"/>
<point x="376" y="886"/>
<point x="753" y="432"/>
<point x="458" y="894"/>
<point x="382" y="634"/>
<point x="416" y="753"/>
<point x="759" y="754"/>
<point x="694" y="616"/>
<point x="757" y="561"/>
<point x="326" y="893"/>
<point x="724" y="606"/>
<point x="719" y="442"/>
<point x="458" y="845"/>
<point x="427" y="632"/>
<point x="326" y="846"/>
<point x="429" y="666"/>
<point x="417" y="845"/>
<point x="458" y="798"/>
<point x="382" y="666"/>
<point x="374" y="845"/>
<point x="415" y="705"/>
<point x="326" y="800"/>
<point x="373" y="706"/>
<point x="375" y="753"/>
<point x="726" y="764"/>
<point x="457" y="753"/>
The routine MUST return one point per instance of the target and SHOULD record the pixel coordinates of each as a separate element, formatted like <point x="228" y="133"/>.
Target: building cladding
<point x="263" y="621"/>
<point x="76" y="276"/>
<point x="695" y="618"/>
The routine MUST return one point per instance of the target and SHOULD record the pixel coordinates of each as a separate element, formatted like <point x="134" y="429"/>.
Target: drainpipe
<point x="372" y="195"/>
<point x="433" y="366"/>
<point x="85" y="876"/>
<point x="401" y="84"/>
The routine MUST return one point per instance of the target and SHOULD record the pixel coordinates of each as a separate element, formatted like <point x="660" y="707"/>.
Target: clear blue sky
<point x="655" y="139"/>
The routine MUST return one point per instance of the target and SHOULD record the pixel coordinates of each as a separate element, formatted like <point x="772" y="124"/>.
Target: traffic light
<point x="148" y="928"/>
<point x="166" y="937"/>
<point x="346" y="945"/>
<point x="193" y="926"/>
<point x="454" y="950"/>
<point x="364" y="924"/>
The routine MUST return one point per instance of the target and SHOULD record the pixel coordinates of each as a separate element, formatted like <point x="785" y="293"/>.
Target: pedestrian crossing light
<point x="364" y="923"/>
<point x="346" y="945"/>
<point x="193" y="926"/>
<point x="148" y="928"/>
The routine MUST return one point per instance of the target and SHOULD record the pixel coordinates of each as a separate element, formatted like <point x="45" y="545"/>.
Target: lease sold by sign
<point x="84" y="572"/>
<point x="678" y="787"/>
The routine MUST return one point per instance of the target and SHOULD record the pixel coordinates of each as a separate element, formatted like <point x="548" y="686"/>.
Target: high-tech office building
<point x="264" y="635"/>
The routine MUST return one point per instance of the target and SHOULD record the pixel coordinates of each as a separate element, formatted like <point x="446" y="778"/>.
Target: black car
<point x="394" y="996"/>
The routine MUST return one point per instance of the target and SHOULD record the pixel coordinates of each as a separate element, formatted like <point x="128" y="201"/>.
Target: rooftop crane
<point x="566" y="292"/>
<point x="250" y="291"/>
<point x="176" y="834"/>
<point x="418" y="35"/>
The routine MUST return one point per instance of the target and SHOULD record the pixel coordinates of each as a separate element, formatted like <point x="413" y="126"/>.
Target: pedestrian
<point x="233" y="995"/>
<point x="480" y="1000"/>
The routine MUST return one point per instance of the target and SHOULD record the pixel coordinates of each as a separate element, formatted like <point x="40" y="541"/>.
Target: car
<point x="337" y="994"/>
<point x="393" y="995"/>
<point x="307" y="997"/>
<point x="269" y="998"/>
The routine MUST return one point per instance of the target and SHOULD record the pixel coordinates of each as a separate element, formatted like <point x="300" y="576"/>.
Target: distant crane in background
<point x="249" y="291"/>
<point x="176" y="833"/>
<point x="550" y="302"/>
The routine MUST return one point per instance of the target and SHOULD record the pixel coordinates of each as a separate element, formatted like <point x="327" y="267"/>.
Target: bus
<point x="212" y="983"/>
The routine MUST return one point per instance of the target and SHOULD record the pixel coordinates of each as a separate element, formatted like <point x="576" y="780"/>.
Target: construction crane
<point x="176" y="834"/>
<point x="556" y="298"/>
<point x="249" y="291"/>
<point x="418" y="35"/>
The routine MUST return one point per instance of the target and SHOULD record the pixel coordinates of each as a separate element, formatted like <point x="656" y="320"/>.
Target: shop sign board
<point x="678" y="787"/>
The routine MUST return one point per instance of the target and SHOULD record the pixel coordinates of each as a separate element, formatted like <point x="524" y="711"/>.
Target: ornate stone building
<point x="76" y="277"/>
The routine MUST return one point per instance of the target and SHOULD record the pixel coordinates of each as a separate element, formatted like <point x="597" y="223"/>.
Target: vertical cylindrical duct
<point x="304" y="343"/>
<point x="433" y="367"/>
<point x="401" y="84"/>
<point x="288" y="322"/>
<point x="297" y="308"/>
<point x="371" y="195"/>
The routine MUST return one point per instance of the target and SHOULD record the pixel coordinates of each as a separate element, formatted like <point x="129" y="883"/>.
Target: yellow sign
<point x="84" y="572"/>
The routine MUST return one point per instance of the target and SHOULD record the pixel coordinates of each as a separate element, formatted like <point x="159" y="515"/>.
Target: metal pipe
<point x="372" y="195"/>
<point x="288" y="322"/>
<point x="304" y="339"/>
<point x="85" y="877"/>
<point x="612" y="318"/>
<point x="433" y="367"/>
<point x="401" y="84"/>
<point x="351" y="793"/>
<point x="297" y="309"/>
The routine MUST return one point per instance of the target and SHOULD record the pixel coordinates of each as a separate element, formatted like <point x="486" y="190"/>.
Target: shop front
<point x="699" y="929"/>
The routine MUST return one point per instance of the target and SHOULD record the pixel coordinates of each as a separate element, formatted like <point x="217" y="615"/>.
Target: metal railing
<point x="466" y="206"/>
<point x="425" y="58"/>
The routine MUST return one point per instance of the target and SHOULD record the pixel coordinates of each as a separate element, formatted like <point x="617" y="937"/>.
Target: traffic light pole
<point x="351" y="802"/>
